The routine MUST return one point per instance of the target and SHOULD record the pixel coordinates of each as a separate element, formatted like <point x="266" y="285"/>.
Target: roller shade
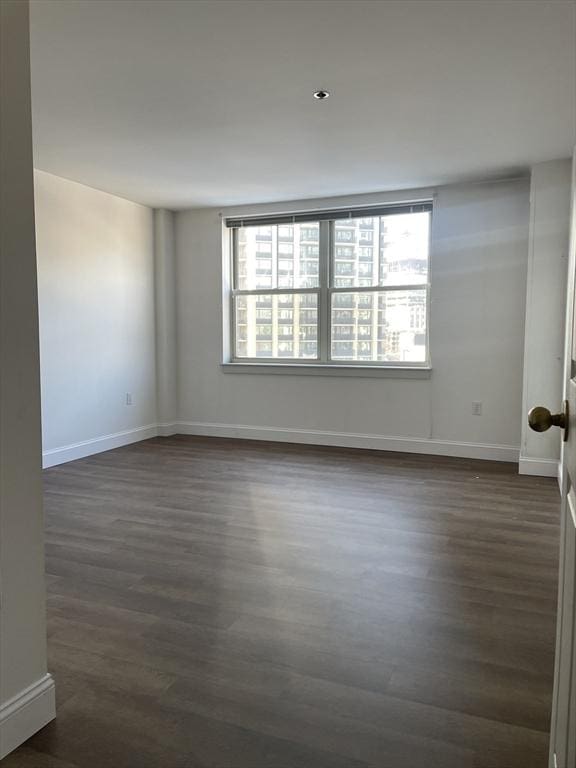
<point x="333" y="215"/>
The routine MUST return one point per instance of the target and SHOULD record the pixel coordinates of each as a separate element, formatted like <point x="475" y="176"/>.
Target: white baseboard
<point x="305" y="436"/>
<point x="97" y="445"/>
<point x="25" y="713"/>
<point x="166" y="430"/>
<point x="352" y="440"/>
<point x="539" y="467"/>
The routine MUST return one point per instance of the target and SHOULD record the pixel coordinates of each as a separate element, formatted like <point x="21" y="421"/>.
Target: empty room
<point x="288" y="384"/>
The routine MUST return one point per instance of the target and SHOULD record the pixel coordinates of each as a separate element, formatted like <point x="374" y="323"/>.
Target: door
<point x="563" y="725"/>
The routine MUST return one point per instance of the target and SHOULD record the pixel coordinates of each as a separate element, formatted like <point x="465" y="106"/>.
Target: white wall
<point x="26" y="690"/>
<point x="166" y="330"/>
<point x="97" y="318"/>
<point x="545" y="310"/>
<point x="478" y="274"/>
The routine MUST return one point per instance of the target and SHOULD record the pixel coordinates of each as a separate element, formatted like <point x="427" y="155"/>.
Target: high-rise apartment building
<point x="366" y="324"/>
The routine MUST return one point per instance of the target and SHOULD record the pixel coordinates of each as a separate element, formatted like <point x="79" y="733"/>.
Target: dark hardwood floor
<point x="232" y="604"/>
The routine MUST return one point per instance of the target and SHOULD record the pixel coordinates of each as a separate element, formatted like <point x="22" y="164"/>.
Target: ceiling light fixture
<point x="321" y="95"/>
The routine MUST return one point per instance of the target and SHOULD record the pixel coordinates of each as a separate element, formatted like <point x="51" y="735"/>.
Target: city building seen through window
<point x="337" y="291"/>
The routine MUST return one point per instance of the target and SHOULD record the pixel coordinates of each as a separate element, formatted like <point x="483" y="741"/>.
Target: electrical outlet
<point x="128" y="398"/>
<point x="476" y="408"/>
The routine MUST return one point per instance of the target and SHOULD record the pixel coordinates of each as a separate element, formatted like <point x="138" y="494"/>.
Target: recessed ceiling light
<point x="321" y="95"/>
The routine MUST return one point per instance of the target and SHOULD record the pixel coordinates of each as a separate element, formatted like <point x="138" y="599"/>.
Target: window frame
<point x="325" y="290"/>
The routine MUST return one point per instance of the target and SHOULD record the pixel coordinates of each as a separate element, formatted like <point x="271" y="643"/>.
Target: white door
<point x="563" y="726"/>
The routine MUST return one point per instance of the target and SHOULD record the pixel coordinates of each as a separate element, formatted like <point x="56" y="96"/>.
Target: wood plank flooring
<point x="235" y="604"/>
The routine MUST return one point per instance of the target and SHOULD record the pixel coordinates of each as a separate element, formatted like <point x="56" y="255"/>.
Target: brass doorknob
<point x="540" y="419"/>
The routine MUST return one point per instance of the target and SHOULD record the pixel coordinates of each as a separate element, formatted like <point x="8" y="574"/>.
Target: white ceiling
<point x="192" y="103"/>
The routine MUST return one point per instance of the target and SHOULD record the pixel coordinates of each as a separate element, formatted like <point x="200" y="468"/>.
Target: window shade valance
<point x="331" y="215"/>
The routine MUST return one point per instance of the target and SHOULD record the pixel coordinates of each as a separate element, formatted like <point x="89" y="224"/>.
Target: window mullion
<point x="233" y="282"/>
<point x="324" y="279"/>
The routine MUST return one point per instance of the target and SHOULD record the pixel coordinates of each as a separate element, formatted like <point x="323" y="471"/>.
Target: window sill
<point x="310" y="369"/>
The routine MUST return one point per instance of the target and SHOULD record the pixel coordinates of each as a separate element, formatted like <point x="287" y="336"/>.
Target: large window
<point x="349" y="288"/>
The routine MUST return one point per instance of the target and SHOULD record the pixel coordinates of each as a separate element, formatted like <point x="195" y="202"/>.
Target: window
<point x="350" y="288"/>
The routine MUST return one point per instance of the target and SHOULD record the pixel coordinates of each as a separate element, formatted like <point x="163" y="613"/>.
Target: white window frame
<point x="323" y="364"/>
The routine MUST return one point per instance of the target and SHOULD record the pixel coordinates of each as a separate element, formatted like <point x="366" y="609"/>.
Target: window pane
<point x="277" y="256"/>
<point x="379" y="326"/>
<point x="404" y="245"/>
<point x="276" y="326"/>
<point x="385" y="250"/>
